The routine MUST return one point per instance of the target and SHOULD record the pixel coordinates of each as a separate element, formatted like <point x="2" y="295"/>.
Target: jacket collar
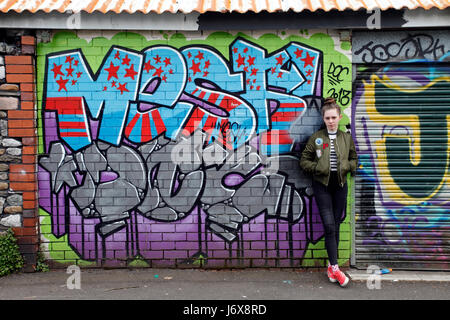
<point x="325" y="132"/>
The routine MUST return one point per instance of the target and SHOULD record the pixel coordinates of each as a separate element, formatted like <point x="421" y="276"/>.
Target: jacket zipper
<point x="339" y="162"/>
<point x="329" y="170"/>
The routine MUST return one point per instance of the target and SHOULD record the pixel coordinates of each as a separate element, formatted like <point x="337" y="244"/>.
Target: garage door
<point x="401" y="116"/>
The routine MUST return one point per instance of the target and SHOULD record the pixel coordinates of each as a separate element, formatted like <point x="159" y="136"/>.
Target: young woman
<point x="329" y="155"/>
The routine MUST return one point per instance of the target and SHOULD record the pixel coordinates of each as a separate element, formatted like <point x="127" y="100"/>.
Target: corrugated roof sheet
<point x="202" y="6"/>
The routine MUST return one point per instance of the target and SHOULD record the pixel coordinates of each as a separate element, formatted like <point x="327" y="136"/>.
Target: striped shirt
<point x="333" y="157"/>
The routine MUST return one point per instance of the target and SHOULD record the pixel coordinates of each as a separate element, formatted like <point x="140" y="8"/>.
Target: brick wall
<point x="18" y="150"/>
<point x="181" y="149"/>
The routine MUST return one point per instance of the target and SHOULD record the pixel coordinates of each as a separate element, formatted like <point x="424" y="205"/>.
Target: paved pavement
<point x="214" y="285"/>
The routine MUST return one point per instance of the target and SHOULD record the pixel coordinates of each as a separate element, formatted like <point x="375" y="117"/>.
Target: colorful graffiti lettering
<point x="141" y="95"/>
<point x="182" y="144"/>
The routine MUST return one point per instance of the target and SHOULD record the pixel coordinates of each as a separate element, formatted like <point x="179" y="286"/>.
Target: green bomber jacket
<point x="315" y="157"/>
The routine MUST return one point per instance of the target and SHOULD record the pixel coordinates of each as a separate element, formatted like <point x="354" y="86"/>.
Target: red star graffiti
<point x="130" y="72"/>
<point x="122" y="88"/>
<point x="148" y="66"/>
<point x="112" y="71"/>
<point x="167" y="61"/>
<point x="57" y="70"/>
<point x="158" y="72"/>
<point x="199" y="56"/>
<point x="69" y="71"/>
<point x="280" y="60"/>
<point x="195" y="67"/>
<point x="126" y="60"/>
<point x="69" y="59"/>
<point x="308" y="60"/>
<point x="298" y="53"/>
<point x="62" y="84"/>
<point x="240" y="61"/>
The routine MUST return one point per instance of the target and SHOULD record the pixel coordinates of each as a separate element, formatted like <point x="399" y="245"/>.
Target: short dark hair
<point x="329" y="104"/>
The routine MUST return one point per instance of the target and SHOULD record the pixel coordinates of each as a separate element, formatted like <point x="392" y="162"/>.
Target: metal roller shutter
<point x="401" y="120"/>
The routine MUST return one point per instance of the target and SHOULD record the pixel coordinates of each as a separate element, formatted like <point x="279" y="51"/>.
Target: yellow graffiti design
<point x="383" y="172"/>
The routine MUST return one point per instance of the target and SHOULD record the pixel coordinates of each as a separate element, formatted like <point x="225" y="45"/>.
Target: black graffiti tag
<point x="414" y="46"/>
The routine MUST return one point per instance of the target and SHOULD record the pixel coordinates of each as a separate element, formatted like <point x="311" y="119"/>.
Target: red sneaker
<point x="341" y="278"/>
<point x="330" y="274"/>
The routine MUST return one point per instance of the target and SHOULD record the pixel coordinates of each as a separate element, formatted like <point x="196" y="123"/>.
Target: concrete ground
<point x="242" y="285"/>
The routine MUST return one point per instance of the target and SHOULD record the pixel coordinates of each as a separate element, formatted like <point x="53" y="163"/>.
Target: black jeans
<point x="331" y="200"/>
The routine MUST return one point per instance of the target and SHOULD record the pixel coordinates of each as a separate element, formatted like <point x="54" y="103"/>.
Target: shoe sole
<point x="332" y="280"/>
<point x="345" y="282"/>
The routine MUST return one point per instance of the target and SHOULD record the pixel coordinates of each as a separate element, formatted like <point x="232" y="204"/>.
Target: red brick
<point x="27" y="105"/>
<point x="28" y="159"/>
<point x="28" y="240"/>
<point x="20" y="124"/>
<point x="21" y="232"/>
<point x="29" y="205"/>
<point x="29" y="231"/>
<point x="21" y="177"/>
<point x="29" y="195"/>
<point x="30" y="40"/>
<point x="19" y="168"/>
<point x="19" y="68"/>
<point x="19" y="78"/>
<point x="27" y="87"/>
<point x="29" y="150"/>
<point x="14" y="132"/>
<point x="18" y="60"/>
<point x="29" y="222"/>
<point x="20" y="114"/>
<point x="27" y="96"/>
<point x="22" y="186"/>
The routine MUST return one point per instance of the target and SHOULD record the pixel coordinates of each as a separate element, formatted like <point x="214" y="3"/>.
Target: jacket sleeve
<point x="307" y="160"/>
<point x="352" y="157"/>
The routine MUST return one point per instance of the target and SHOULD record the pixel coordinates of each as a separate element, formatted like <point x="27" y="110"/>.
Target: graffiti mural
<point x="179" y="153"/>
<point x="401" y="112"/>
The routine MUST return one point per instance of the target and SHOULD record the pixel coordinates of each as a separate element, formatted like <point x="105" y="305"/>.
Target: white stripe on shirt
<point x="333" y="156"/>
